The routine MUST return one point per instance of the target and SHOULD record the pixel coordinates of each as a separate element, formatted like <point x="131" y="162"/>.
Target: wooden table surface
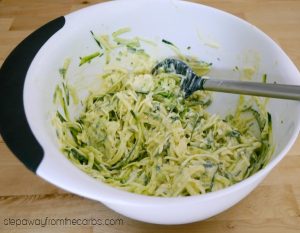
<point x="273" y="207"/>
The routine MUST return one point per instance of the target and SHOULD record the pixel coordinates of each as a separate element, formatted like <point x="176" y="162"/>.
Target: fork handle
<point x="280" y="91"/>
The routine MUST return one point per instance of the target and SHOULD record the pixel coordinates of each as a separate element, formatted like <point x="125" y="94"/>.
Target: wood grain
<point x="273" y="207"/>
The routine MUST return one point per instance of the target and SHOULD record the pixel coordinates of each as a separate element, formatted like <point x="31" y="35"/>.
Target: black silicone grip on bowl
<point x="14" y="127"/>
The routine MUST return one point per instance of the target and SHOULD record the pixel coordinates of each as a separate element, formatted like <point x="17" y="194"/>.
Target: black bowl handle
<point x="14" y="127"/>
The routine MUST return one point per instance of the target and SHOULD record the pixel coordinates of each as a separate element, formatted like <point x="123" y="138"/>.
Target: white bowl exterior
<point x="193" y="211"/>
<point x="241" y="44"/>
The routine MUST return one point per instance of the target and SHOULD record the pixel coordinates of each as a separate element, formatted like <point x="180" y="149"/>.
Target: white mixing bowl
<point x="213" y="36"/>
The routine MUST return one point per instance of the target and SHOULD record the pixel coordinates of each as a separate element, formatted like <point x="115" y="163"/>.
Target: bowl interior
<point x="214" y="36"/>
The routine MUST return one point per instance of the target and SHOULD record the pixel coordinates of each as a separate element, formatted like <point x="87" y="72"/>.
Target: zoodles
<point x="138" y="133"/>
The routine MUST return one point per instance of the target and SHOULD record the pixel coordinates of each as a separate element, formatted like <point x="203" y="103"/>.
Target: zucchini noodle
<point x="138" y="133"/>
